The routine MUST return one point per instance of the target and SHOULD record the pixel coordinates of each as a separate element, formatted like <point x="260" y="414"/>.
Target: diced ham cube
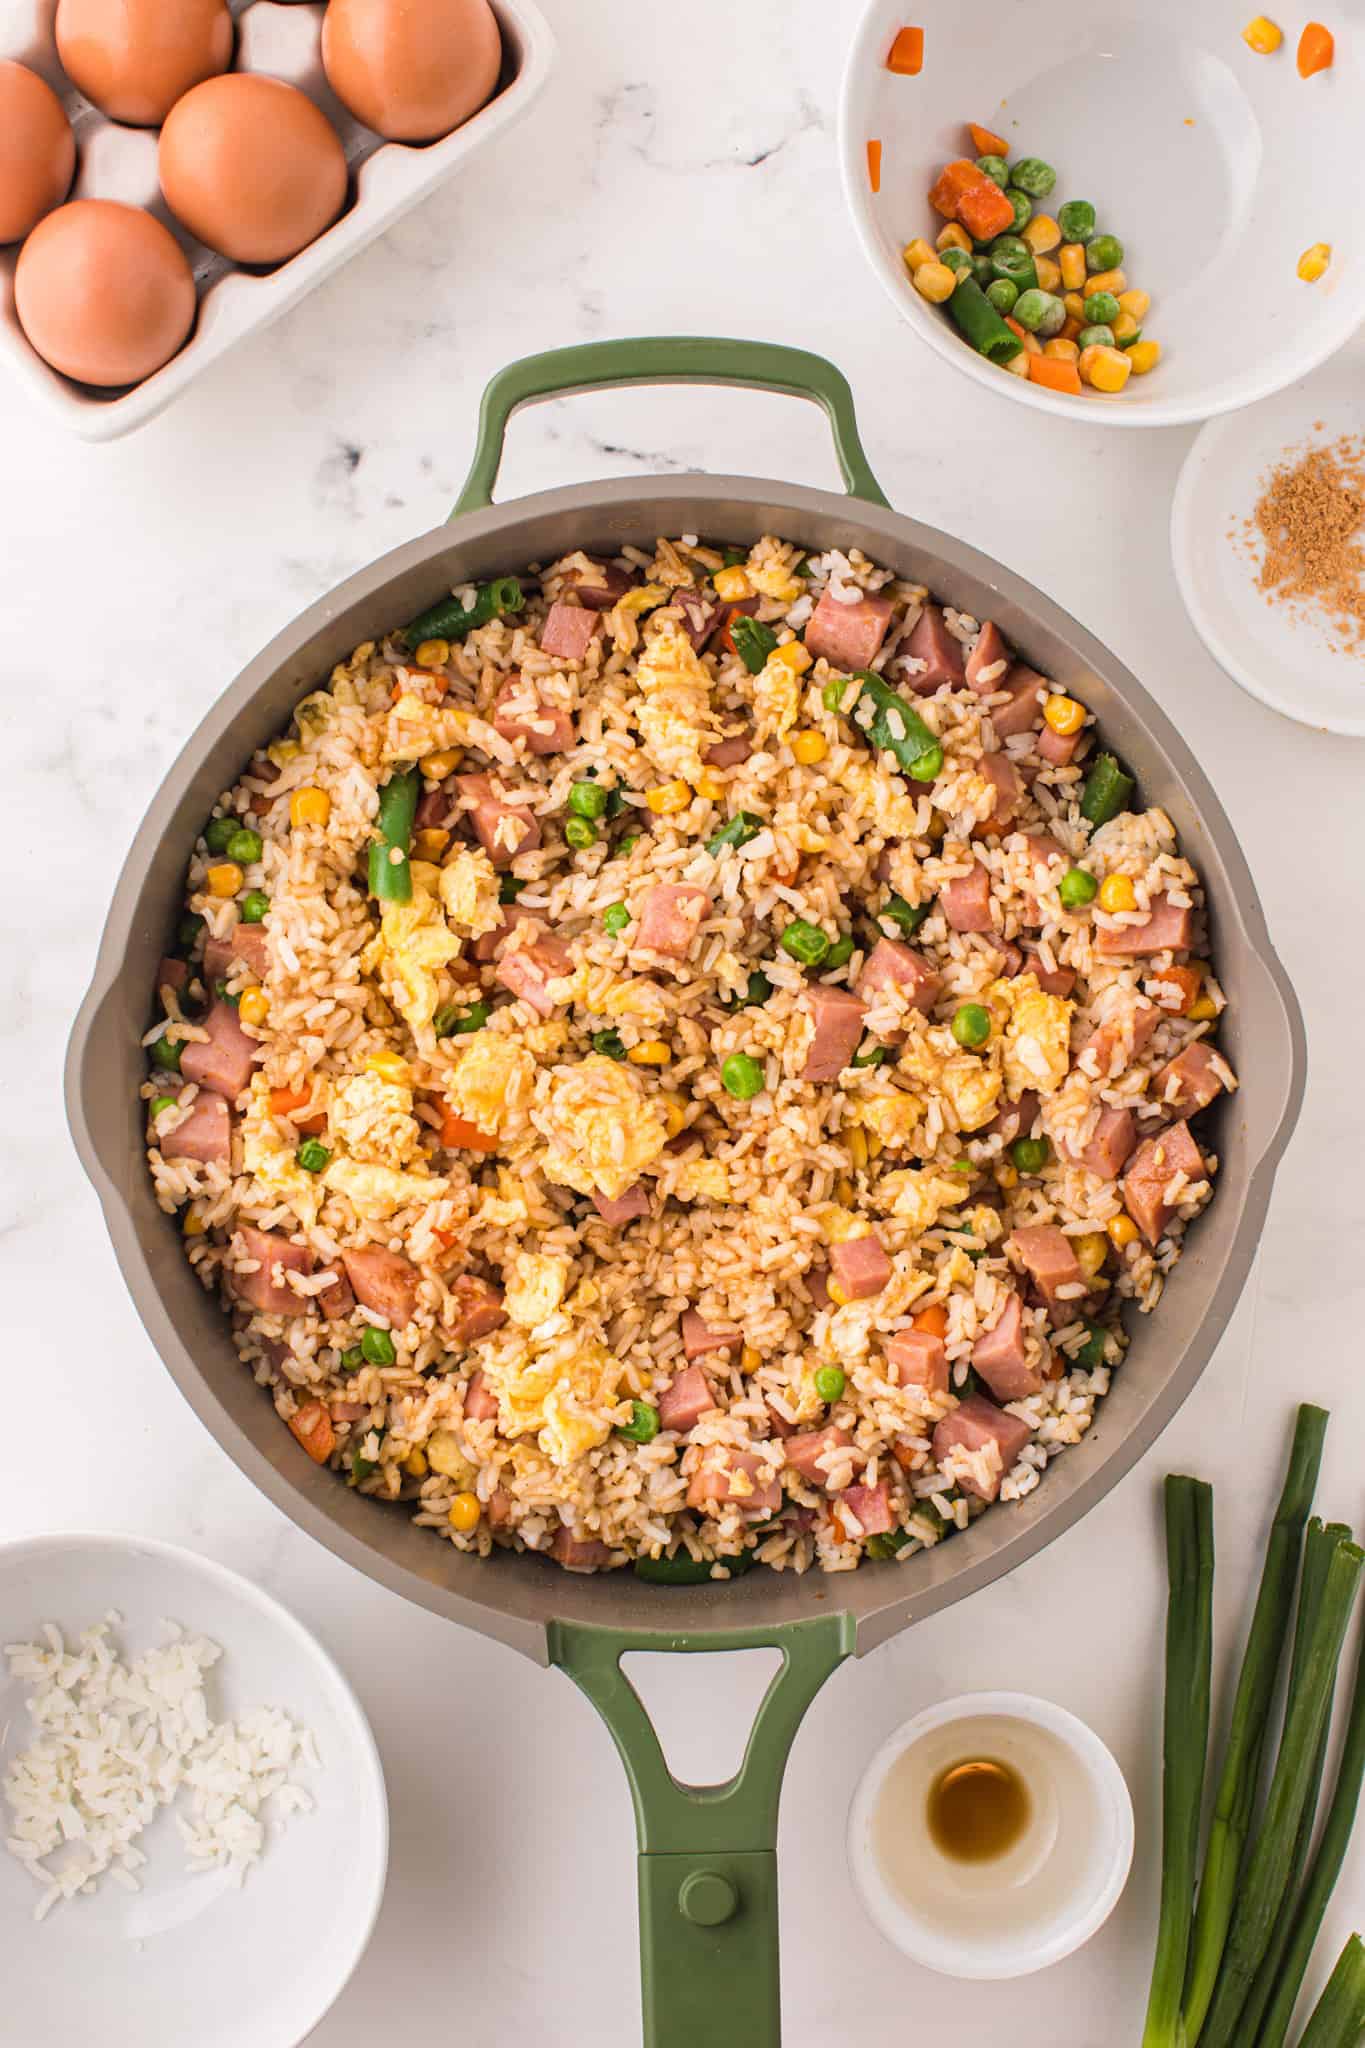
<point x="999" y="1356"/>
<point x="1190" y="1081"/>
<point x="918" y="1359"/>
<point x="1003" y="777"/>
<point x="520" y="714"/>
<point x="336" y="1300"/>
<point x="848" y="633"/>
<point x="504" y="830"/>
<point x="966" y="900"/>
<point x="1024" y="710"/>
<point x="1116" y="1039"/>
<point x="277" y="1256"/>
<point x="1058" y="749"/>
<point x="623" y="1208"/>
<point x="578" y="1554"/>
<point x="1050" y="1257"/>
<point x="893" y="964"/>
<point x="700" y="1337"/>
<point x="1013" y="1119"/>
<point x="528" y="971"/>
<point x="1153" y="1168"/>
<point x="480" y="1402"/>
<point x="488" y="944"/>
<point x="1168" y="929"/>
<point x="499" y="1508"/>
<point x="1053" y="981"/>
<point x="974" y="1424"/>
<point x="989" y="649"/>
<point x="171" y="974"/>
<point x="477" y="1311"/>
<point x="245" y="942"/>
<point x="1108" y="1150"/>
<point x="671" y="917"/>
<point x="734" y="1477"/>
<point x="569" y="631"/>
<point x="860" y="1266"/>
<point x="817" y="1287"/>
<point x="838" y="1015"/>
<point x="688" y="1397"/>
<point x="871" y="1505"/>
<point x="384" y="1282"/>
<point x="808" y="1452"/>
<point x="225" y="1060"/>
<point x="699" y="616"/>
<point x="930" y="641"/>
<point x="729" y="753"/>
<point x="205" y="1134"/>
<point x="1012" y="961"/>
<point x="601" y="584"/>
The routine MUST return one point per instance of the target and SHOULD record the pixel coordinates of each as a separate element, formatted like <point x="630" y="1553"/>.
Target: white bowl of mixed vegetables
<point x="1156" y="170"/>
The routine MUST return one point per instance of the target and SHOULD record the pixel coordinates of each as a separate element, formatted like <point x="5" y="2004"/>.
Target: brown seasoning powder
<point x="1308" y="518"/>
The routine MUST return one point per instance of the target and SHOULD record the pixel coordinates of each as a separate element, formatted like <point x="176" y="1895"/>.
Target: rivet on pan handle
<point x="667" y="359"/>
<point x="707" y="1866"/>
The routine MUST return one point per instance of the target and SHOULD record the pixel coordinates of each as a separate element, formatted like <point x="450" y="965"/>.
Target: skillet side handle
<point x="666" y="359"/>
<point x="707" y="1864"/>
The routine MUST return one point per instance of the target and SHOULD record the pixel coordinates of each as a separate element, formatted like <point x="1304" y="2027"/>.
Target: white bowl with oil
<point x="991" y="1835"/>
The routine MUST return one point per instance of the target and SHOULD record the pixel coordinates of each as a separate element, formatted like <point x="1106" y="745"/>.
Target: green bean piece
<point x="218" y="832"/>
<point x="1098" y="336"/>
<point x="742" y="1077"/>
<point x="588" y="800"/>
<point x="312" y="1155"/>
<point x="1091" y="1353"/>
<point x="733" y="557"/>
<point x="449" y="1022"/>
<point x="743" y="827"/>
<point x="245" y="846"/>
<point x="980" y="322"/>
<point x="1105" y="252"/>
<point x="362" y="1467"/>
<point x="390" y="872"/>
<point x="832" y="696"/>
<point x="1041" y="313"/>
<point x="510" y="887"/>
<point x="1107" y="790"/>
<point x="165" y="1056"/>
<point x="1076" y="219"/>
<point x="872" y="1057"/>
<point x="255" y="904"/>
<point x="894" y="725"/>
<point x="623" y="849"/>
<point x="982" y="269"/>
<point x="352" y="1359"/>
<point x="188" y="930"/>
<point x="901" y="913"/>
<point x="1003" y="295"/>
<point x="840" y="953"/>
<point x="1102" y="309"/>
<point x="1077" y="888"/>
<point x="615" y="918"/>
<point x="971" y="1025"/>
<point x="890" y="1544"/>
<point x="1012" y="257"/>
<point x="1032" y="175"/>
<point x="1022" y="204"/>
<point x="643" y="1426"/>
<point x="610" y="1044"/>
<point x="579" y="833"/>
<point x="753" y="641"/>
<point x="450" y="620"/>
<point x="683" y="1570"/>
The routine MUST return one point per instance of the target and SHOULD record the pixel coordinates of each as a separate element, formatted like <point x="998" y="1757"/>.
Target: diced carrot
<point x="874" y="164"/>
<point x="1055" y="374"/>
<point x="289" y="1101"/>
<point x="460" y="1135"/>
<point x="985" y="142"/>
<point x="1187" y="979"/>
<point x="933" y="1321"/>
<point x="1015" y="328"/>
<point x="952" y="181"/>
<point x="907" y="52"/>
<point x="312" y="1425"/>
<point x="784" y="877"/>
<point x="905" y="1455"/>
<point x="984" y="210"/>
<point x="1316" y="49"/>
<point x="1071" y="327"/>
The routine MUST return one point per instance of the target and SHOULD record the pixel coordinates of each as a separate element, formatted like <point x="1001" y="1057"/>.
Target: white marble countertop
<point x="672" y="179"/>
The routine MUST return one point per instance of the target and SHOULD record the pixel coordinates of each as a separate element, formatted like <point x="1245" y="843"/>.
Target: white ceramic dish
<point x="387" y="179"/>
<point x="191" y="1957"/>
<point x="1214" y="166"/>
<point x="1054" y="1889"/>
<point x="1290" y="659"/>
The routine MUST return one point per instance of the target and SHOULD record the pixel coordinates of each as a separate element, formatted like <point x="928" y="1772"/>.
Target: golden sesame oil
<point x="978" y="1809"/>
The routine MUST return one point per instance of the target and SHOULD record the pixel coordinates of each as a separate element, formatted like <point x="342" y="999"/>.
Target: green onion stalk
<point x="1339" y="2016"/>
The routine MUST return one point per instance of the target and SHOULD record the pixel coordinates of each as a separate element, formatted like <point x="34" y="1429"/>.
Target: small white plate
<point x="1288" y="657"/>
<point x="192" y="1957"/>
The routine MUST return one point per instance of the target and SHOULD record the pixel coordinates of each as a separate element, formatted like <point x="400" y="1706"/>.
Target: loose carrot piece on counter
<point x="312" y="1425"/>
<point x="1054" y="374"/>
<point x="984" y="210"/>
<point x="874" y="165"/>
<point x="907" y="52"/>
<point x="1316" y="49"/>
<point x="459" y="1134"/>
<point x="985" y="142"/>
<point x="952" y="181"/>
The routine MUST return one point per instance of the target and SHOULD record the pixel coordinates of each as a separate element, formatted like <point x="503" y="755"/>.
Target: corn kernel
<point x="432" y="654"/>
<point x="1107" y="281"/>
<point x="224" y="878"/>
<point x="1062" y="349"/>
<point x="793" y="654"/>
<point x="675" y="1114"/>
<point x="651" y="1053"/>
<point x="1314" y="262"/>
<point x="1117" y="893"/>
<point x="1071" y="263"/>
<point x="710" y="785"/>
<point x="733" y="585"/>
<point x="1125" y="329"/>
<point x="1049" y="274"/>
<point x="1018" y="365"/>
<point x="1203" y="1009"/>
<point x="1007" y="1175"/>
<point x="749" y="1359"/>
<point x="856" y="1141"/>
<point x="810" y="747"/>
<point x="1139" y="304"/>
<point x="935" y="282"/>
<point x="1144" y="356"/>
<point x="1091" y="1251"/>
<point x="1041" y="233"/>
<point x="415" y="1464"/>
<point x="1075" y="305"/>
<point x="437" y="766"/>
<point x="953" y="237"/>
<point x="1262" y="35"/>
<point x="1106" y="368"/>
<point x="1122" y="1231"/>
<point x="464" y="1513"/>
<point x="390" y="1066"/>
<point x="1064" y="715"/>
<point x="283" y="751"/>
<point x="430" y="843"/>
<point x="669" y="796"/>
<point x="847" y="1226"/>
<point x="193" y="1225"/>
<point x="836" y="1293"/>
<point x="309" y="807"/>
<point x="912" y="255"/>
<point x="253" y="1006"/>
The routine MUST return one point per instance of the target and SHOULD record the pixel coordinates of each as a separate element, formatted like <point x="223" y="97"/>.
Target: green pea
<point x="829" y="1382"/>
<point x="1077" y="888"/>
<point x="900" y="913"/>
<point x="928" y="766"/>
<point x="956" y="260"/>
<point x="244" y="846"/>
<point x="757" y="989"/>
<point x="871" y="1057"/>
<point x="1030" y="1155"/>
<point x="312" y="1155"/>
<point x="377" y="1346"/>
<point x="841" y="952"/>
<point x="972" y="1024"/>
<point x="188" y="930"/>
<point x="996" y="169"/>
<point x="982" y="268"/>
<point x="742" y="1077"/>
<point x="1104" y="253"/>
<point x="352" y="1359"/>
<point x="588" y="800"/>
<point x="509" y="888"/>
<point x="166" y="1056"/>
<point x="1003" y="294"/>
<point x="631" y="839"/>
<point x="1041" y="313"/>
<point x="1022" y="204"/>
<point x="1032" y="175"/>
<point x="805" y="942"/>
<point x="610" y="1044"/>
<point x="1098" y="336"/>
<point x="255" y="904"/>
<point x="1102" y="309"/>
<point x="615" y="918"/>
<point x="580" y="833"/>
<point x="643" y="1426"/>
<point x="218" y="832"/>
<point x="832" y="696"/>
<point x="1076" y="219"/>
<point x="159" y="1103"/>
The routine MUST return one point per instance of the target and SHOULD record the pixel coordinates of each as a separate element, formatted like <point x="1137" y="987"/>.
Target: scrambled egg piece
<point x="565" y="1393"/>
<point x="504" y="1208"/>
<point x="702" y="1180"/>
<point x="414" y="728"/>
<point x="376" y="1192"/>
<point x="917" y="1195"/>
<point x="775" y="579"/>
<point x="969" y="1084"/>
<point x="1037" y="1039"/>
<point x="602" y="1129"/>
<point x="271" y="1161"/>
<point x="674" y="712"/>
<point x="414" y="942"/>
<point x="469" y="891"/>
<point x="895" y="1119"/>
<point x="777" y="699"/>
<point x="636" y="998"/>
<point x="535" y="1288"/>
<point x="372" y="1119"/>
<point x="490" y="1074"/>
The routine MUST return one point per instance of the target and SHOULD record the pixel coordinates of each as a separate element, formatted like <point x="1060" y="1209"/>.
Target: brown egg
<point x="134" y="58"/>
<point x="103" y="292"/>
<point x="411" y="69"/>
<point x="252" y="167"/>
<point x="37" y="150"/>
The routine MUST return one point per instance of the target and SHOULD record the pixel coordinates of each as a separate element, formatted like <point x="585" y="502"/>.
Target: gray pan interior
<point x="512" y="1596"/>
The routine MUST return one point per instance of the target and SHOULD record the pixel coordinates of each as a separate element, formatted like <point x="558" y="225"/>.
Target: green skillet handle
<point x="666" y="359"/>
<point x="707" y="1867"/>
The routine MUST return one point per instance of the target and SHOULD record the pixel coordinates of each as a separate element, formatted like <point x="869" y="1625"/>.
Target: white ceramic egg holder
<point x="113" y="162"/>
